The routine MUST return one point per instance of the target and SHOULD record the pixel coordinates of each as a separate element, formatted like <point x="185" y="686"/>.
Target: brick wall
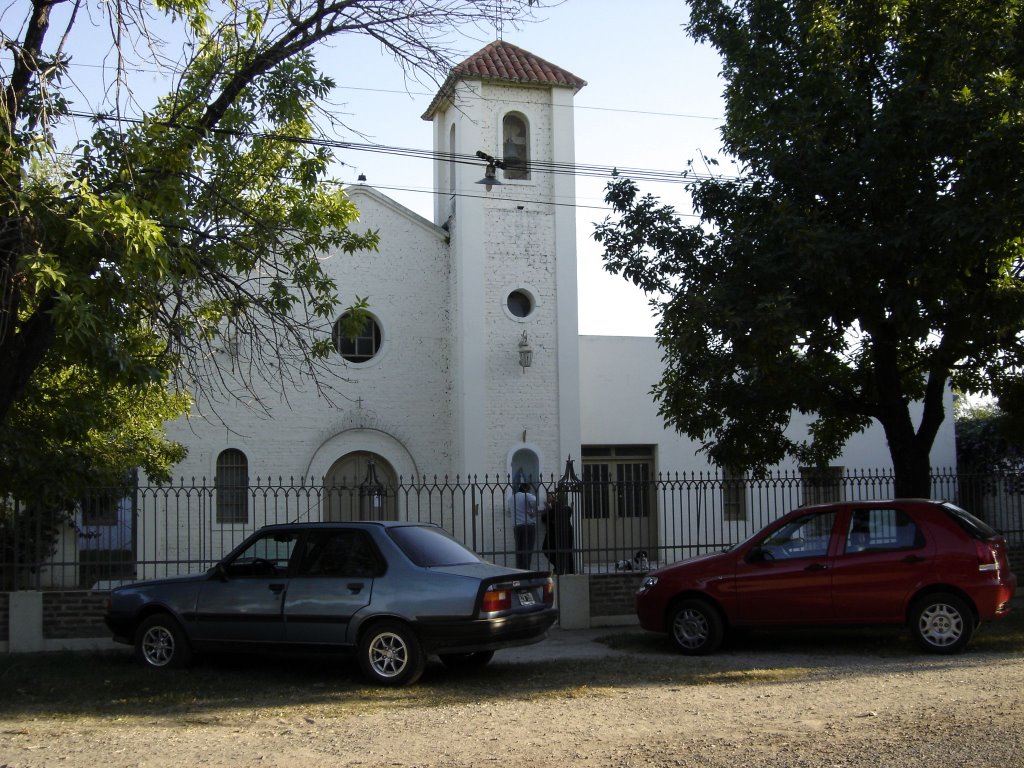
<point x="612" y="594"/>
<point x="69" y="615"/>
<point x="1016" y="554"/>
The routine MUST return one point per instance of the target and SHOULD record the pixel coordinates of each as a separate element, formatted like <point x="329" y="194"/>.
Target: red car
<point x="927" y="564"/>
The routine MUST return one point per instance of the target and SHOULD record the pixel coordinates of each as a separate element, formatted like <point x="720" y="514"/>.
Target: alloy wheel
<point x="941" y="625"/>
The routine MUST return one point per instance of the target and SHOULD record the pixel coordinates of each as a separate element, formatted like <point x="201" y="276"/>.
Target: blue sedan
<point x="393" y="592"/>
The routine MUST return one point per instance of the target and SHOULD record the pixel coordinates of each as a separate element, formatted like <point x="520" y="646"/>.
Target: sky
<point x="653" y="101"/>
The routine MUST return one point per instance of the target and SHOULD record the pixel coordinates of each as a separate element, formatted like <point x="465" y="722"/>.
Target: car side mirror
<point x="220" y="572"/>
<point x="757" y="555"/>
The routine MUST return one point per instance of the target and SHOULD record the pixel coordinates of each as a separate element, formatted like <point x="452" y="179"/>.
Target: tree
<point x="989" y="454"/>
<point x="75" y="439"/>
<point x="73" y="431"/>
<point x="196" y="216"/>
<point x="987" y="442"/>
<point x="868" y="254"/>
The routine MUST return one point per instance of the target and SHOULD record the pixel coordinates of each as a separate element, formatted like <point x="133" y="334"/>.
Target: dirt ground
<point x="789" y="710"/>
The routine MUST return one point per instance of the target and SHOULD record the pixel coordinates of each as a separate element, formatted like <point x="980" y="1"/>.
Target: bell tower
<point x="505" y="117"/>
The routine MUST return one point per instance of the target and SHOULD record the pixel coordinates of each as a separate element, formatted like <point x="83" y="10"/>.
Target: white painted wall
<point x="511" y="238"/>
<point x="407" y="286"/>
<point x="616" y="407"/>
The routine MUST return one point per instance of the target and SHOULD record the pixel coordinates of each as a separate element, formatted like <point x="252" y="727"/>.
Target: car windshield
<point x="976" y="528"/>
<point x="430" y="547"/>
<point x="755" y="535"/>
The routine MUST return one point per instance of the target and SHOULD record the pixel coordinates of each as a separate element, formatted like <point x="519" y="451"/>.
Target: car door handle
<point x="276" y="588"/>
<point x="913" y="559"/>
<point x="815" y="567"/>
<point x="355" y="587"/>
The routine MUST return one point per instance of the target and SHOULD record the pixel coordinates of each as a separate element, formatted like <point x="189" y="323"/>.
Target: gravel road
<point x="740" y="709"/>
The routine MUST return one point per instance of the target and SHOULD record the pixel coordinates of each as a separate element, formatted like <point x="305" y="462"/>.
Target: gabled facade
<point x="434" y="386"/>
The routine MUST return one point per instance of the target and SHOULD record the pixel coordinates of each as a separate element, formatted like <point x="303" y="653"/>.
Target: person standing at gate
<point x="522" y="506"/>
<point x="558" y="540"/>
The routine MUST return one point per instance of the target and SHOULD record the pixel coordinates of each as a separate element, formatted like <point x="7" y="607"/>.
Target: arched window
<point x="360" y="486"/>
<point x="516" y="146"/>
<point x="232" y="484"/>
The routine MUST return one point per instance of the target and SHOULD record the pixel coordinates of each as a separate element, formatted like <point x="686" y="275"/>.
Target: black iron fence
<point x="601" y="526"/>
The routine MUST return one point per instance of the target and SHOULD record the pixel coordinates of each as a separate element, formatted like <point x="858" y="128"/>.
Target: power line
<point x="427" y="94"/>
<point x="436" y="193"/>
<point x="574" y="169"/>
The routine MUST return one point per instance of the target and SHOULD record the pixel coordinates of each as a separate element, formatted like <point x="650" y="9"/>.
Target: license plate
<point x="526" y="598"/>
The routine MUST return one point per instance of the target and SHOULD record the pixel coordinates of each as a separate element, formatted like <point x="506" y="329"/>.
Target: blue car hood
<point x="192" y="577"/>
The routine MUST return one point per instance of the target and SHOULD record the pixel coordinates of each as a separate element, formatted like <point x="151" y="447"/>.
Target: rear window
<point x="430" y="547"/>
<point x="974" y="527"/>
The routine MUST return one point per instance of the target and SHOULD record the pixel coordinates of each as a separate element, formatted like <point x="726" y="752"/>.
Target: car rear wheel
<point x="466" y="662"/>
<point x="696" y="627"/>
<point x="942" y="623"/>
<point x="391" y="654"/>
<point x="160" y="643"/>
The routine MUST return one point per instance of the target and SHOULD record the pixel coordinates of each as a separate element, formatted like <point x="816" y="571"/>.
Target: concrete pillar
<point x="574" y="602"/>
<point x="25" y="632"/>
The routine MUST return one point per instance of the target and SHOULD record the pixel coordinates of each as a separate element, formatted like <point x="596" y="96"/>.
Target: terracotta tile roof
<point x="503" y="61"/>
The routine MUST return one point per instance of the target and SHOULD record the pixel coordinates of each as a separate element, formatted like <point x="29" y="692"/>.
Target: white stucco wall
<point x="512" y="238"/>
<point x="616" y="408"/>
<point x="401" y="399"/>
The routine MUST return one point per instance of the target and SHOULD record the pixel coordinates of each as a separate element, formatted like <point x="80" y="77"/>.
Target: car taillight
<point x="988" y="557"/>
<point x="549" y="592"/>
<point x="496" y="599"/>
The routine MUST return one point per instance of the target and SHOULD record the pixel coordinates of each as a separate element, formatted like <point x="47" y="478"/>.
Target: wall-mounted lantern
<point x="525" y="353"/>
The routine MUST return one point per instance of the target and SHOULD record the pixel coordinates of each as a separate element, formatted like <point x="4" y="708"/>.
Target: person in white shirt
<point x="522" y="505"/>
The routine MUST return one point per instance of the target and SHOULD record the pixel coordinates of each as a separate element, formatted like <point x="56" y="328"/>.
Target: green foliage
<point x="870" y="252"/>
<point x="74" y="430"/>
<point x="27" y="536"/>
<point x="124" y="259"/>
<point x="987" y="442"/>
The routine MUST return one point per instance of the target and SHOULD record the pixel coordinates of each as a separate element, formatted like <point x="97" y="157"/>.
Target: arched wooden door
<point x="360" y="486"/>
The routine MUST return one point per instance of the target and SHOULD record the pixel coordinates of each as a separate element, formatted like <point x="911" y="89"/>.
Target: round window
<point x="359" y="348"/>
<point x="520" y="303"/>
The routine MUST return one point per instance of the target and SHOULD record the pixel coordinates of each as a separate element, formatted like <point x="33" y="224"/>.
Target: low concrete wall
<point x="72" y="620"/>
<point x="611" y="594"/>
<point x="597" y="600"/>
<point x="53" y="621"/>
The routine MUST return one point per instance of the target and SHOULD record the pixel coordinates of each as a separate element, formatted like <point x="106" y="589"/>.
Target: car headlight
<point x="647" y="583"/>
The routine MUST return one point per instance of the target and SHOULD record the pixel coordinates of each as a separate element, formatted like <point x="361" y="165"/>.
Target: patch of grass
<point x="233" y="689"/>
<point x="1003" y="636"/>
<point x="761" y="676"/>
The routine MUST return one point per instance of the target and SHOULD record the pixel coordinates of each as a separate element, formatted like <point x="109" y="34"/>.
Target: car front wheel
<point x="390" y="654"/>
<point x="942" y="623"/>
<point x="695" y="627"/>
<point x="160" y="643"/>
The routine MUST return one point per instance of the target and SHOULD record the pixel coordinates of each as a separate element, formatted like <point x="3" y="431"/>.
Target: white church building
<point x="472" y="365"/>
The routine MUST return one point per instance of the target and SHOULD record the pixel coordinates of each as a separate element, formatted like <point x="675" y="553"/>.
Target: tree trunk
<point x="912" y="470"/>
<point x="909" y="448"/>
<point x="21" y="352"/>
